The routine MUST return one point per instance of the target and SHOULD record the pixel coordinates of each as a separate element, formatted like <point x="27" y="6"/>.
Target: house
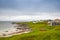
<point x="55" y="22"/>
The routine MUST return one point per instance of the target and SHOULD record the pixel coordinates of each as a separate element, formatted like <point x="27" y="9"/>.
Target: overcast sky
<point x="29" y="9"/>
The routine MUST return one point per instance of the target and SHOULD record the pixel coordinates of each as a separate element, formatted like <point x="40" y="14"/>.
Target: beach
<point x="8" y="29"/>
<point x="12" y="32"/>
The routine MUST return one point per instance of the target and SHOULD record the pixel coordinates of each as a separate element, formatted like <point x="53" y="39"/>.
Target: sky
<point x="27" y="10"/>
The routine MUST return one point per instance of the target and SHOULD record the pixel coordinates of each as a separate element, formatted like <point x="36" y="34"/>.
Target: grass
<point x="48" y="33"/>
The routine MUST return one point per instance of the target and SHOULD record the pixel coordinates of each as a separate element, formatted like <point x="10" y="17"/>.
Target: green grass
<point x="50" y="33"/>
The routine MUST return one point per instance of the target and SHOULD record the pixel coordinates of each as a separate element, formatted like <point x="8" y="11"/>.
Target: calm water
<point x="6" y="25"/>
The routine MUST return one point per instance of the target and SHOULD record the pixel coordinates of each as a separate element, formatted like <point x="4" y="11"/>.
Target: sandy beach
<point x="12" y="32"/>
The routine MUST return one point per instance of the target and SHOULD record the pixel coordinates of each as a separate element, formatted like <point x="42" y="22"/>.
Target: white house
<point x="55" y="22"/>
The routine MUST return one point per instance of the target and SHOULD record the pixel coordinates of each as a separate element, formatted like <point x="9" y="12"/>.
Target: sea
<point x="6" y="25"/>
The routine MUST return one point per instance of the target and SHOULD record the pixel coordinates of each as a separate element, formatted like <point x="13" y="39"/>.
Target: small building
<point x="55" y="22"/>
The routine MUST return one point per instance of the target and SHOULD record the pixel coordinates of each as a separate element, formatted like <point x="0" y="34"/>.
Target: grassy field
<point x="39" y="31"/>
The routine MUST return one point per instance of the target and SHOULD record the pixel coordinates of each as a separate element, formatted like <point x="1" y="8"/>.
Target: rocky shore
<point x="20" y="29"/>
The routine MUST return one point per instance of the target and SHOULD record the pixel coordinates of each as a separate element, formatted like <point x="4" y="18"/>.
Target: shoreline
<point x="14" y="34"/>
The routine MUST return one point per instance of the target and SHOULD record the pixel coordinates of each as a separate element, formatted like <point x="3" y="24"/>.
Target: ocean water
<point x="6" y="25"/>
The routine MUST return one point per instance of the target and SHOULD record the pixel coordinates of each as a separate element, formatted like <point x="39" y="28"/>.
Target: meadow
<point x="39" y="31"/>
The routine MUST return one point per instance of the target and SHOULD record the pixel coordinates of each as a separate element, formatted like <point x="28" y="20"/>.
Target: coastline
<point x="12" y="34"/>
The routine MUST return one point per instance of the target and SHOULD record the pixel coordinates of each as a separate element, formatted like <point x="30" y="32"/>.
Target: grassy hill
<point x="39" y="31"/>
